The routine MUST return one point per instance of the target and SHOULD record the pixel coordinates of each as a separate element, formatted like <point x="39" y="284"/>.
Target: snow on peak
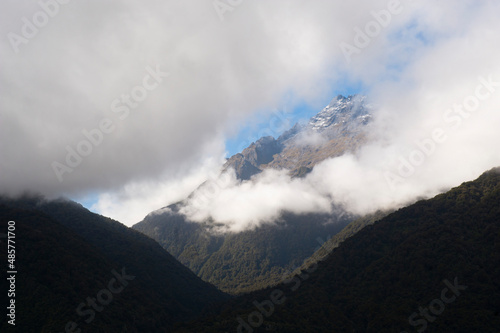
<point x="341" y="110"/>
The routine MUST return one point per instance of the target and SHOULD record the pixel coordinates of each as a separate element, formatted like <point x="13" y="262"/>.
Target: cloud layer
<point x="97" y="72"/>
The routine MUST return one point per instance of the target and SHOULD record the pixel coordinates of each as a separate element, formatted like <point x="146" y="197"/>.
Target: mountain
<point x="251" y="159"/>
<point x="348" y="231"/>
<point x="242" y="262"/>
<point x="340" y="127"/>
<point x="246" y="261"/>
<point x="77" y="266"/>
<point x="432" y="266"/>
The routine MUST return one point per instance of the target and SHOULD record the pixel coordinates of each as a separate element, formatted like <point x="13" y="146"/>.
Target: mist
<point x="135" y="101"/>
<point x="435" y="127"/>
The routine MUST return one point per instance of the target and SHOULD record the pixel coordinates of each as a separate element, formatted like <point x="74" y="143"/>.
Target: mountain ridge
<point x="337" y="129"/>
<point x="163" y="291"/>
<point x="391" y="275"/>
<point x="230" y="260"/>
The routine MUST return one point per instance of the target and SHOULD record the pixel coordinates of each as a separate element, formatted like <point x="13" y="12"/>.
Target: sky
<point x="128" y="106"/>
<point x="283" y="118"/>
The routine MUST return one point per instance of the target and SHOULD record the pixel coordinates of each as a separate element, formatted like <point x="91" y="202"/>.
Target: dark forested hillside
<point x="348" y="231"/>
<point x="245" y="261"/>
<point x="433" y="267"/>
<point x="66" y="256"/>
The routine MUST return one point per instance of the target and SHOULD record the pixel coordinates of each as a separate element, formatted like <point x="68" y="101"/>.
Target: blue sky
<point x="88" y="200"/>
<point x="260" y="126"/>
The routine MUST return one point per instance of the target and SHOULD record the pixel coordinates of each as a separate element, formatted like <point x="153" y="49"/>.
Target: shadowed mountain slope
<point x="245" y="261"/>
<point x="66" y="254"/>
<point x="432" y="266"/>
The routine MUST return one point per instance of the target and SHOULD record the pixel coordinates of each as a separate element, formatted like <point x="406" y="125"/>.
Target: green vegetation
<point x="378" y="278"/>
<point x="247" y="261"/>
<point x="349" y="231"/>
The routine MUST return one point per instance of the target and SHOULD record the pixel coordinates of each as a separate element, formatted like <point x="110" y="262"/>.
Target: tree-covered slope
<point x="433" y="267"/>
<point x="66" y="254"/>
<point x="349" y="230"/>
<point x="245" y="261"/>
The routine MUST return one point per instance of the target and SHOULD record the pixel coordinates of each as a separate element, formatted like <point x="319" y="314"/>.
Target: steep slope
<point x="250" y="161"/>
<point x="245" y="261"/>
<point x="250" y="260"/>
<point x="432" y="266"/>
<point x="191" y="243"/>
<point x="337" y="129"/>
<point x="348" y="231"/>
<point x="66" y="253"/>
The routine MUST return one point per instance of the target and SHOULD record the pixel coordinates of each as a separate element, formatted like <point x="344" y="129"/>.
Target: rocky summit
<point x="340" y="127"/>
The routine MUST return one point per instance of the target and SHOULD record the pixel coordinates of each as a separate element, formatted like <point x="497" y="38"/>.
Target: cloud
<point x="310" y="138"/>
<point x="241" y="205"/>
<point x="132" y="203"/>
<point x="92" y="59"/>
<point x="61" y="89"/>
<point x="436" y="127"/>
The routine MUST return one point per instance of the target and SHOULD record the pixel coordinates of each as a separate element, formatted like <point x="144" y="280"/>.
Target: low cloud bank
<point x="140" y="92"/>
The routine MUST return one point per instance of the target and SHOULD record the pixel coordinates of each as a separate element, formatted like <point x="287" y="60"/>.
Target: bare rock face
<point x="249" y="161"/>
<point x="262" y="151"/>
<point x="243" y="167"/>
<point x="339" y="128"/>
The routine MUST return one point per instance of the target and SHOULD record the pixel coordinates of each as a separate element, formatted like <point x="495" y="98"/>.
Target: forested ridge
<point x="379" y="279"/>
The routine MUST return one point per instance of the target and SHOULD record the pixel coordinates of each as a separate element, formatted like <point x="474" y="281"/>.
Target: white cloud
<point x="64" y="80"/>
<point x="132" y="203"/>
<point x="242" y="205"/>
<point x="421" y="143"/>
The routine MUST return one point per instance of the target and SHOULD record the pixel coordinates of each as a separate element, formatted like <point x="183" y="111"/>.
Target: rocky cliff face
<point x="340" y="127"/>
<point x="249" y="161"/>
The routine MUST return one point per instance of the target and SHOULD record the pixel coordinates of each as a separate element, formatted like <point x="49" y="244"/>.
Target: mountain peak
<point x="340" y="125"/>
<point x="341" y="110"/>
